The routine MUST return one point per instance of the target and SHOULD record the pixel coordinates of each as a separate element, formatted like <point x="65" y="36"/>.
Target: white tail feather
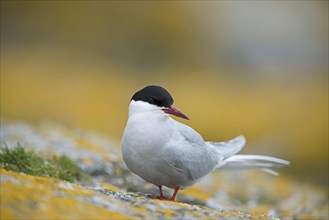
<point x="264" y="163"/>
<point x="243" y="158"/>
<point x="272" y="172"/>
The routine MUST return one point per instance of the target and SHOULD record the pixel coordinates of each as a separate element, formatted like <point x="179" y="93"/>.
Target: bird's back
<point x="188" y="154"/>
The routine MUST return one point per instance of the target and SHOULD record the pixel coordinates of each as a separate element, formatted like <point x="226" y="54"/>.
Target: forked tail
<point x="264" y="163"/>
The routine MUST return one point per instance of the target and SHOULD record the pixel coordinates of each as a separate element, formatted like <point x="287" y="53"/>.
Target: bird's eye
<point x="155" y="101"/>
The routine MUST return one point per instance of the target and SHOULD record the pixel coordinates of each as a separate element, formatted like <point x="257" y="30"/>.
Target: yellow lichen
<point x="109" y="187"/>
<point x="25" y="196"/>
<point x="87" y="161"/>
<point x="32" y="197"/>
<point x="260" y="209"/>
<point x="197" y="193"/>
<point x="118" y="171"/>
<point x="92" y="147"/>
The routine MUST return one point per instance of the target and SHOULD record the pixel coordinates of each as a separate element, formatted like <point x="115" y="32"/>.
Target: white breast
<point x="145" y="134"/>
<point x="163" y="151"/>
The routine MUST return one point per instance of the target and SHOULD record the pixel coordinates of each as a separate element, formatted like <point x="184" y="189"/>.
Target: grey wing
<point x="189" y="154"/>
<point x="230" y="147"/>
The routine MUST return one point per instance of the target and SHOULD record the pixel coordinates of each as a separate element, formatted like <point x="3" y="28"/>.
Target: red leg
<point x="161" y="197"/>
<point x="173" y="197"/>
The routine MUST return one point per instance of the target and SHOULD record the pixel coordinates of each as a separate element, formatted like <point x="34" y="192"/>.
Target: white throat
<point x="144" y="109"/>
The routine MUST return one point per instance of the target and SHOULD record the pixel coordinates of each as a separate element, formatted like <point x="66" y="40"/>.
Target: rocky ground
<point x="111" y="191"/>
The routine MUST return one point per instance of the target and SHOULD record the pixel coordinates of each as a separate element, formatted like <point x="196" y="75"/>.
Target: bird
<point x="166" y="152"/>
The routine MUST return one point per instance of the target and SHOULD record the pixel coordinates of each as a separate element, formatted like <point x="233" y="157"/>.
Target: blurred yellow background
<point x="253" y="68"/>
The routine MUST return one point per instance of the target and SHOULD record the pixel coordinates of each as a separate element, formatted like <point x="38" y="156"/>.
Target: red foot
<point x="158" y="197"/>
<point x="161" y="197"/>
<point x="173" y="197"/>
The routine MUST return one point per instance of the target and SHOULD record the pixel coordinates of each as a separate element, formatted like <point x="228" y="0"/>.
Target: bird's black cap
<point x="155" y="95"/>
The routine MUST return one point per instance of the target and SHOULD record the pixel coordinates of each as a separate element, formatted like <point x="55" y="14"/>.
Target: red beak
<point x="174" y="111"/>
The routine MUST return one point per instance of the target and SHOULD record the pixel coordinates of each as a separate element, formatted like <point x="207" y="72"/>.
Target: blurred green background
<point x="234" y="67"/>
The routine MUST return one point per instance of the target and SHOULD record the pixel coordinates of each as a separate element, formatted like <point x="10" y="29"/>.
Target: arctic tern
<point x="165" y="152"/>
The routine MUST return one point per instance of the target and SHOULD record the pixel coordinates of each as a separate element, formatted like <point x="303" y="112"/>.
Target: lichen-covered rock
<point x="25" y="196"/>
<point x="111" y="191"/>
